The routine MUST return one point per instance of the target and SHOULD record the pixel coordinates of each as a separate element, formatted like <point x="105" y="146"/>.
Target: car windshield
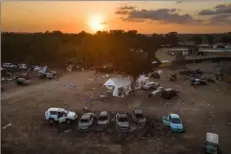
<point x="84" y="120"/>
<point x="139" y="116"/>
<point x="123" y="119"/>
<point x="102" y="118"/>
<point x="176" y="120"/>
<point x="211" y="145"/>
<point x="66" y="112"/>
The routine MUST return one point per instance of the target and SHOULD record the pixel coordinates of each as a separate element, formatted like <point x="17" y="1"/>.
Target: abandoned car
<point x="138" y="117"/>
<point x="122" y="122"/>
<point x="173" y="121"/>
<point x="60" y="115"/>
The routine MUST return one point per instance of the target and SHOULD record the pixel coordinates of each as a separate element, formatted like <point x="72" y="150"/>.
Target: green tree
<point x="210" y="39"/>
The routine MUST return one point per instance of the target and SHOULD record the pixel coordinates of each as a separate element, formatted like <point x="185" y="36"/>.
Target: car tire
<point x="68" y="121"/>
<point x="51" y="121"/>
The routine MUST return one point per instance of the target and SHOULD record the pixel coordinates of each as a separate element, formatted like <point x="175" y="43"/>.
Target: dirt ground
<point x="202" y="109"/>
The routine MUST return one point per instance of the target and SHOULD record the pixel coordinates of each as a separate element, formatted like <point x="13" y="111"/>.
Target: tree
<point x="197" y="39"/>
<point x="210" y="39"/>
<point x="171" y="38"/>
<point x="226" y="38"/>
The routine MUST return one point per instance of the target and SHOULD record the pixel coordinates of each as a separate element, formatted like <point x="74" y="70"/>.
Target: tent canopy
<point x="118" y="82"/>
<point x="142" y="80"/>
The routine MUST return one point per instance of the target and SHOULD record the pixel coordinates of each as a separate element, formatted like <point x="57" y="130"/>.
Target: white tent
<point x="142" y="80"/>
<point x="117" y="84"/>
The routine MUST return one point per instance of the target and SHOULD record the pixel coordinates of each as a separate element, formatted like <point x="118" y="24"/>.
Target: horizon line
<point x="109" y="31"/>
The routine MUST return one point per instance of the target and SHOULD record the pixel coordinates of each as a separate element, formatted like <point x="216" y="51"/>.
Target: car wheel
<point x="68" y="121"/>
<point x="51" y="121"/>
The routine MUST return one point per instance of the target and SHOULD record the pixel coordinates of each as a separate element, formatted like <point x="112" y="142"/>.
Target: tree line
<point x="126" y="50"/>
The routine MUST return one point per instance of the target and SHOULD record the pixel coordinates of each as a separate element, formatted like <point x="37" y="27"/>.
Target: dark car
<point x="169" y="93"/>
<point x="198" y="82"/>
<point x="173" y="77"/>
<point x="155" y="75"/>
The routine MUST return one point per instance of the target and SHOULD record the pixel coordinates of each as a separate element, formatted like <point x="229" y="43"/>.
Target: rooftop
<point x="103" y="113"/>
<point x="174" y="115"/>
<point x="86" y="116"/>
<point x="212" y="138"/>
<point x="138" y="111"/>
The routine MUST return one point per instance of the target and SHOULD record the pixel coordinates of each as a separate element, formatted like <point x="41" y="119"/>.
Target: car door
<point x="91" y="120"/>
<point x="166" y="120"/>
<point x="61" y="117"/>
<point x="133" y="116"/>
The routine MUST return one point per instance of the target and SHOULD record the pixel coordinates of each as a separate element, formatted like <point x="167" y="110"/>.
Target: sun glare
<point x="96" y="23"/>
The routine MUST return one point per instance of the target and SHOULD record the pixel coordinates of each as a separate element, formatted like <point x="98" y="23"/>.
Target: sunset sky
<point x="205" y="16"/>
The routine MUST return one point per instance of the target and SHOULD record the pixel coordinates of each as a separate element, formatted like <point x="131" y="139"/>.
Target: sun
<point x="96" y="23"/>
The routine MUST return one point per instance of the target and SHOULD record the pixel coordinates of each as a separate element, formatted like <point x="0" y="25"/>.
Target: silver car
<point x="104" y="118"/>
<point x="86" y="121"/>
<point x="138" y="117"/>
<point x="122" y="121"/>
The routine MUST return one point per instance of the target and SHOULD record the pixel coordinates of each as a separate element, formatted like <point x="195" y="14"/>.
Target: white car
<point x="60" y="115"/>
<point x="157" y="92"/>
<point x="104" y="118"/>
<point x="9" y="65"/>
<point x="36" y="68"/>
<point x="86" y="121"/>
<point x="22" y="66"/>
<point x="138" y="117"/>
<point x="122" y="121"/>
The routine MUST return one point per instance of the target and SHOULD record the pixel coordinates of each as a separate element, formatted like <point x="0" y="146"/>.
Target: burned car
<point x="150" y="86"/>
<point x="173" y="77"/>
<point x="198" y="82"/>
<point x="155" y="75"/>
<point x="169" y="93"/>
<point x="23" y="79"/>
<point x="138" y="117"/>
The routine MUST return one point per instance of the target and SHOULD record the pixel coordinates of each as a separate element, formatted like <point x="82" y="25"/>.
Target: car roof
<point x="156" y="91"/>
<point x="168" y="89"/>
<point x="103" y="113"/>
<point x="174" y="115"/>
<point x="86" y="116"/>
<point x="122" y="114"/>
<point x="152" y="82"/>
<point x="138" y="111"/>
<point x="212" y="138"/>
<point x="56" y="109"/>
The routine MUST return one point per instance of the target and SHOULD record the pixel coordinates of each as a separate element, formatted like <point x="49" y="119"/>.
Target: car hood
<point x="102" y="122"/>
<point x="123" y="124"/>
<point x="176" y="126"/>
<point x="142" y="120"/>
<point x="84" y="125"/>
<point x="71" y="114"/>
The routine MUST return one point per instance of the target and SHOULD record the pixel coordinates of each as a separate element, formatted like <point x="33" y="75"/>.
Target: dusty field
<point x="203" y="109"/>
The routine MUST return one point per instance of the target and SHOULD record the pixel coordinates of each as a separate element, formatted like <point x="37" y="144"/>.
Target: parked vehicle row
<point x="60" y="115"/>
<point x="20" y="66"/>
<point x="172" y="121"/>
<point x="13" y="66"/>
<point x="88" y="119"/>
